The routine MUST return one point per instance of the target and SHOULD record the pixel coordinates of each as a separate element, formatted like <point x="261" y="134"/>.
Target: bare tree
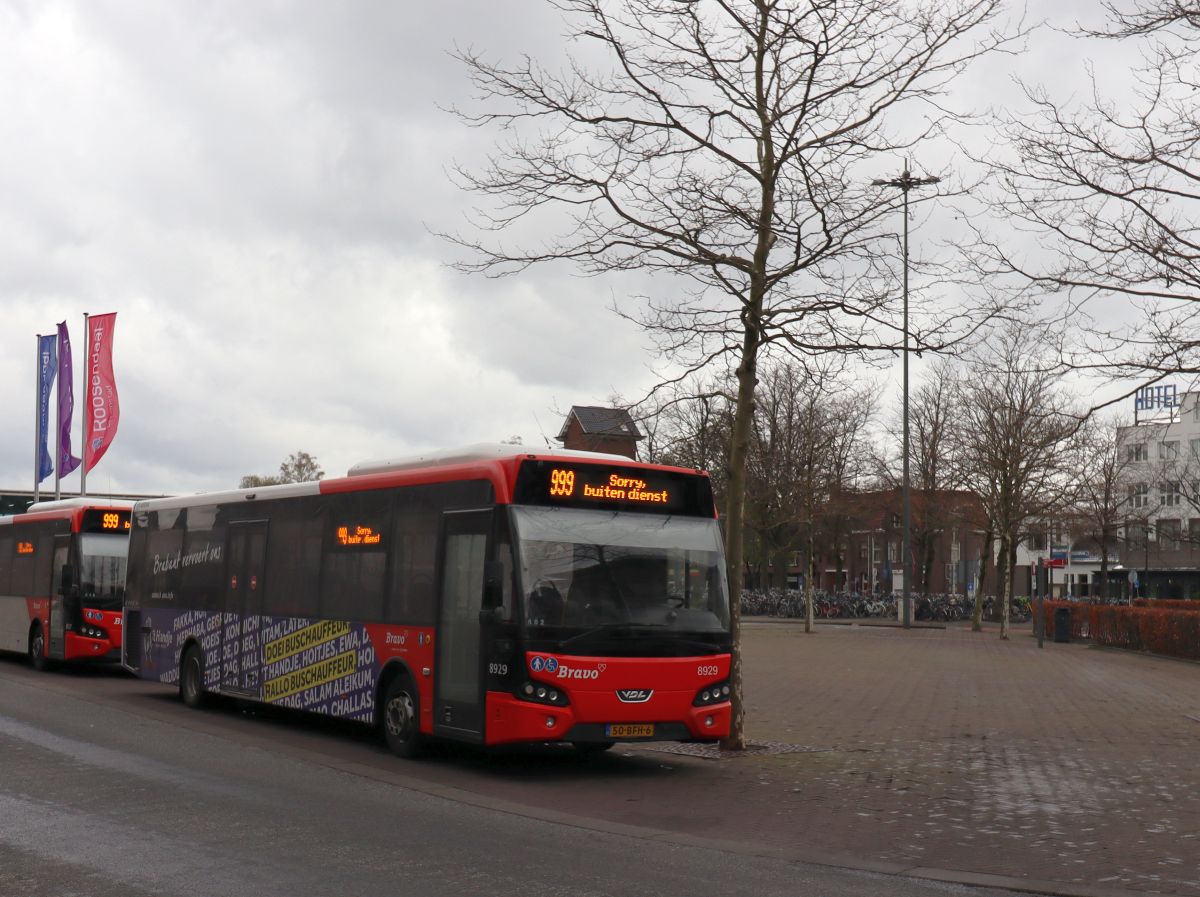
<point x="725" y="146"/>
<point x="1010" y="438"/>
<point x="931" y="416"/>
<point x="1111" y="190"/>
<point x="691" y="429"/>
<point x="827" y="418"/>
<point x="1101" y="487"/>
<point x="807" y="447"/>
<point x="773" y="466"/>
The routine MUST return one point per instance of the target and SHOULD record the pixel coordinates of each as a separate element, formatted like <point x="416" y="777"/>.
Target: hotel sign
<point x="1155" y="398"/>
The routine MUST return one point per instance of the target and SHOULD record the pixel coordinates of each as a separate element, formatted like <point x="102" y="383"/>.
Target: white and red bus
<point x="62" y="580"/>
<point x="487" y="595"/>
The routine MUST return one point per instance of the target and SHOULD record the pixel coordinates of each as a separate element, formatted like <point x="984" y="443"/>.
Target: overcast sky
<point x="251" y="187"/>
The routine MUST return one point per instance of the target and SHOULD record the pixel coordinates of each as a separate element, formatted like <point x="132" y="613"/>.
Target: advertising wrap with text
<point x="321" y="666"/>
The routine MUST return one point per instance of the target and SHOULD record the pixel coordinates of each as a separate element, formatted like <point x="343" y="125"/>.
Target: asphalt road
<point x="110" y="788"/>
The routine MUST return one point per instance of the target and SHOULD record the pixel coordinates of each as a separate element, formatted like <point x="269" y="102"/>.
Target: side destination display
<point x="574" y="485"/>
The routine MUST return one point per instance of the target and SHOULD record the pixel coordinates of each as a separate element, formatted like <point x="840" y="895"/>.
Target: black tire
<point x="191" y="678"/>
<point x="400" y="718"/>
<point x="37" y="649"/>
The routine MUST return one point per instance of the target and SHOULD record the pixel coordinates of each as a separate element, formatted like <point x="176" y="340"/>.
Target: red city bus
<point x="488" y="595"/>
<point x="62" y="580"/>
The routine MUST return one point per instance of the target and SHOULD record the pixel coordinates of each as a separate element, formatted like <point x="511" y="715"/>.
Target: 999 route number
<point x="562" y="482"/>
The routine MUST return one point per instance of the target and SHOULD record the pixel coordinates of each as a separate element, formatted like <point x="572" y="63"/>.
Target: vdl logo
<point x="634" y="695"/>
<point x="549" y="664"/>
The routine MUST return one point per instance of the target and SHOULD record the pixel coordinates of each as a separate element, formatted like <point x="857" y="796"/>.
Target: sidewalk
<point x="958" y="751"/>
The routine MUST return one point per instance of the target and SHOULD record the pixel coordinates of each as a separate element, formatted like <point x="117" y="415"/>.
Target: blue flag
<point x="47" y="369"/>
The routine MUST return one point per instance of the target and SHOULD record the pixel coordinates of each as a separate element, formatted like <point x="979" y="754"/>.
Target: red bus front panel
<point x="614" y="699"/>
<point x="98" y="637"/>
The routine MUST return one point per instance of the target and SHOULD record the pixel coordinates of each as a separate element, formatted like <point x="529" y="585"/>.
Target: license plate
<point x="629" y="730"/>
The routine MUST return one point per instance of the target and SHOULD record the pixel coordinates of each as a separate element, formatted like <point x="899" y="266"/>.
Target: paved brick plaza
<point x="954" y="750"/>
<point x="934" y="752"/>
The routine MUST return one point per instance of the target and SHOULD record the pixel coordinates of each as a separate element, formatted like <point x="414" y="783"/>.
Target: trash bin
<point x="1062" y="624"/>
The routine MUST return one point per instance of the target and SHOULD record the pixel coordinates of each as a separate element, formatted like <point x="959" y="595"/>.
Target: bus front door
<point x="62" y="606"/>
<point x="458" y="685"/>
<point x="241" y="656"/>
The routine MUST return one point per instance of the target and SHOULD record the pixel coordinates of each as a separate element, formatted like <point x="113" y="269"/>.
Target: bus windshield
<point x="583" y="569"/>
<point x="102" y="570"/>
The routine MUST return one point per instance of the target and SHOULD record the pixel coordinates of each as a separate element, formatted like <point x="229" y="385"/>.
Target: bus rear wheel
<point x="191" y="678"/>
<point x="401" y="720"/>
<point x="37" y="649"/>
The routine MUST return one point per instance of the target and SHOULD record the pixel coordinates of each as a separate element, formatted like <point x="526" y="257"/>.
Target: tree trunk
<point x="984" y="561"/>
<point x="1010" y="560"/>
<point x="1002" y="572"/>
<point x="1104" y="571"/>
<point x="809" y="576"/>
<point x="735" y="513"/>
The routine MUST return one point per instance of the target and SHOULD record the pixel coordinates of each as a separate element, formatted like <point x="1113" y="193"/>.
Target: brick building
<point x="947" y="541"/>
<point x="592" y="429"/>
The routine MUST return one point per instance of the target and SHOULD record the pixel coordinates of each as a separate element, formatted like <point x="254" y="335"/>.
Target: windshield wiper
<point x="608" y="629"/>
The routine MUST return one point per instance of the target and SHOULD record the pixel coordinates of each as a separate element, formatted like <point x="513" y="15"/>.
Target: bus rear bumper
<point x="512" y="720"/>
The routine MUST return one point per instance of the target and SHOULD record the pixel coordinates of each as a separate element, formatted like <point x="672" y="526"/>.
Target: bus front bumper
<point x="81" y="648"/>
<point x="510" y="719"/>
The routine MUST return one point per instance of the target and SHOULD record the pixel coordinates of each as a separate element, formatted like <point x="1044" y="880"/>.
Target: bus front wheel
<point x="37" y="649"/>
<point x="191" y="678"/>
<point x="401" y="721"/>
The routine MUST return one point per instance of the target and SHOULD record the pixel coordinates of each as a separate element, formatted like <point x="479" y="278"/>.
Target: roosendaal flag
<point x="66" y="403"/>
<point x="102" y="410"/>
<point x="47" y="368"/>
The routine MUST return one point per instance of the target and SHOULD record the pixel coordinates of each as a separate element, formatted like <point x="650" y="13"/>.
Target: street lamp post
<point x="905" y="183"/>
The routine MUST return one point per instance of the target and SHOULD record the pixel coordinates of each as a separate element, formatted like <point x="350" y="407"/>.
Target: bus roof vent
<point x="484" y="451"/>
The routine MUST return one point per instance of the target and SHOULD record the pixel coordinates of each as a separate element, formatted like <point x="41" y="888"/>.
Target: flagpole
<point x="87" y="353"/>
<point x="58" y="458"/>
<point x="37" y="420"/>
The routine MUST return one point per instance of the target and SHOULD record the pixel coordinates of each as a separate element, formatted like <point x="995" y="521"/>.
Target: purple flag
<point x="48" y="367"/>
<point x="66" y="403"/>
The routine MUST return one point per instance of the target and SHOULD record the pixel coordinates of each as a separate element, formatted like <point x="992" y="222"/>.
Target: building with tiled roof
<point x="593" y="429"/>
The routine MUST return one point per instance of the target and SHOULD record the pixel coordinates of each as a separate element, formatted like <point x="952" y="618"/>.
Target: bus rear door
<point x="458" y="685"/>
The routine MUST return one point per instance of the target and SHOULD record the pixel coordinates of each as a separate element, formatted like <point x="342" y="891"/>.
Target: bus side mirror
<point x="493" y="585"/>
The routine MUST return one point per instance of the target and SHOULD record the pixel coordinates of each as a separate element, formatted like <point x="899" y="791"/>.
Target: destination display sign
<point x="105" y="520"/>
<point x="357" y="535"/>
<point x="615" y="487"/>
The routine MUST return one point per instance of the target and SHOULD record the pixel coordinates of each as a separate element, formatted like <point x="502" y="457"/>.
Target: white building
<point x="1162" y="454"/>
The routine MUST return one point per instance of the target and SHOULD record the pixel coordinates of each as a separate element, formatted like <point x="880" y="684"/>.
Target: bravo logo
<point x="566" y="672"/>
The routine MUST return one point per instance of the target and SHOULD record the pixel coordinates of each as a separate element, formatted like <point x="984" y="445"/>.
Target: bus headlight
<point x="712" y="694"/>
<point x="540" y="693"/>
<point x="92" y="632"/>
